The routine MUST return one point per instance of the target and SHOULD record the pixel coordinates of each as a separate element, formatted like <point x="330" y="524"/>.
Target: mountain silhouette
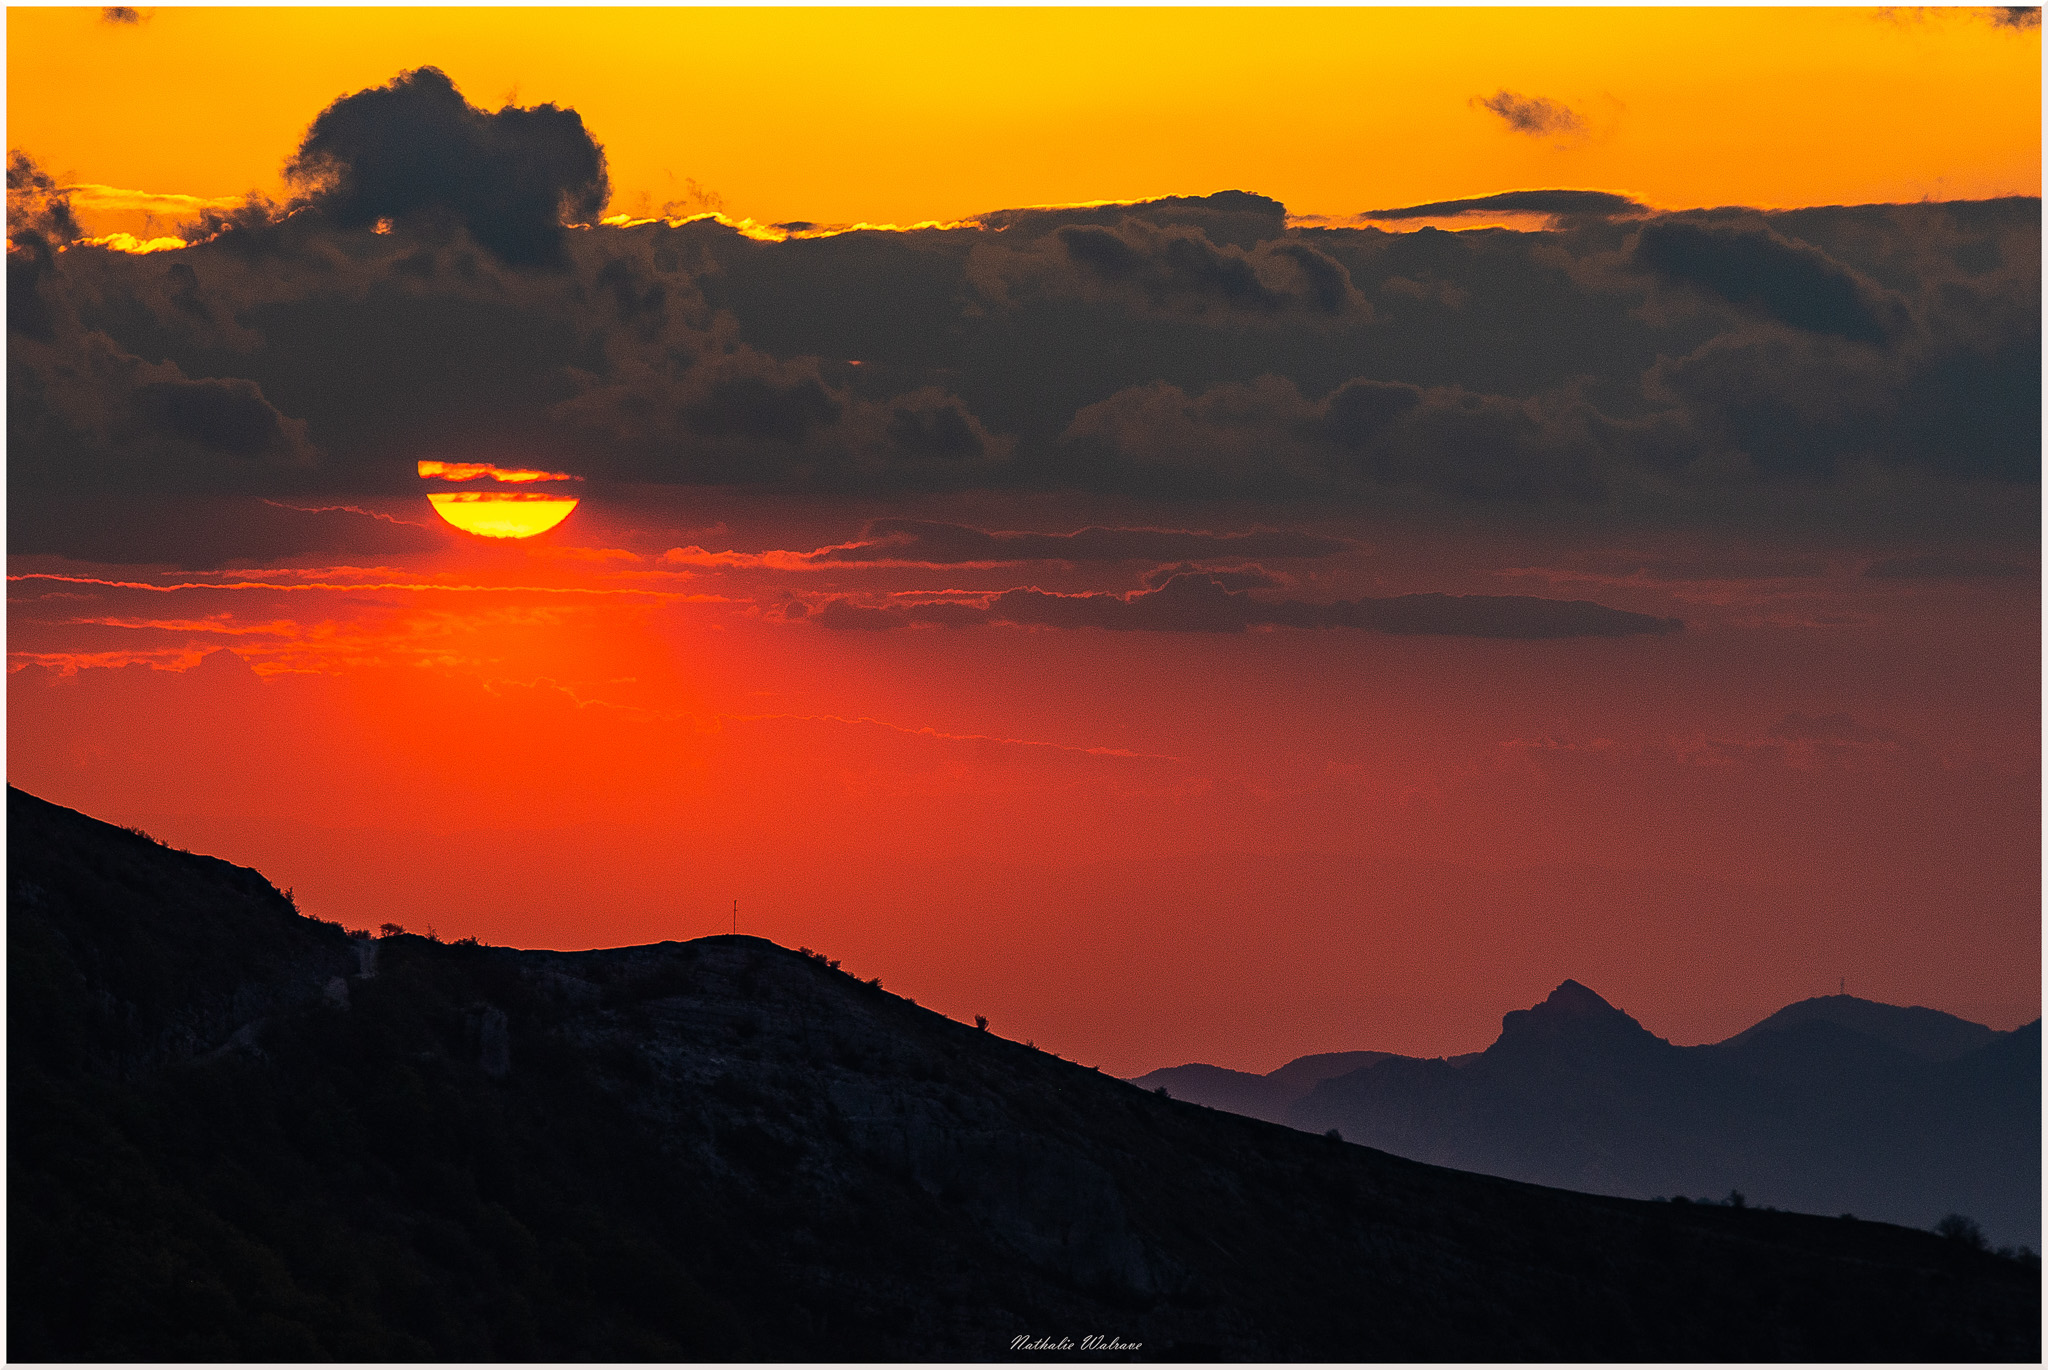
<point x="1831" y="1105"/>
<point x="1924" y="1032"/>
<point x="1256" y="1096"/>
<point x="237" y="1133"/>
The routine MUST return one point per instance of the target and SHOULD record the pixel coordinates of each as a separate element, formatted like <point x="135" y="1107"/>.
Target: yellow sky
<point x="903" y="115"/>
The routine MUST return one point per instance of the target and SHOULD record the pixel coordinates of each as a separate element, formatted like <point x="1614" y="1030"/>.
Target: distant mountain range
<point x="239" y="1134"/>
<point x="1831" y="1105"/>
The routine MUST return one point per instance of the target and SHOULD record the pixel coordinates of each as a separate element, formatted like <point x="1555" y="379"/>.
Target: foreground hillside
<point x="1831" y="1105"/>
<point x="236" y="1133"/>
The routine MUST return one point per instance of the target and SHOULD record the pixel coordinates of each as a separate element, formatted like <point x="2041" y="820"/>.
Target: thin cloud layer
<point x="897" y="542"/>
<point x="1601" y="203"/>
<point x="1202" y="603"/>
<point x="952" y="544"/>
<point x="1940" y="566"/>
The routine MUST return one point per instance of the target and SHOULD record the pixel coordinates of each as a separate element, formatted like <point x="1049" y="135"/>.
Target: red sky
<point x="1131" y="847"/>
<point x="1646" y="596"/>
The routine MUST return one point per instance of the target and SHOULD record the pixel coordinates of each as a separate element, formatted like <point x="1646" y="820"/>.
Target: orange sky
<point x="904" y="115"/>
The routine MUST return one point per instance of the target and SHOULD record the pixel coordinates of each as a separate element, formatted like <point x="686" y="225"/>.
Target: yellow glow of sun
<point x="492" y="514"/>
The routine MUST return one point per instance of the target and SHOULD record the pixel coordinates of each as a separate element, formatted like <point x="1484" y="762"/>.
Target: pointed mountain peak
<point x="1572" y="1013"/>
<point x="1575" y="999"/>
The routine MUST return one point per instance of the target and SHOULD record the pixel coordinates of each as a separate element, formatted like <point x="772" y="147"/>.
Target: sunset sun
<point x="497" y="513"/>
<point x="489" y="514"/>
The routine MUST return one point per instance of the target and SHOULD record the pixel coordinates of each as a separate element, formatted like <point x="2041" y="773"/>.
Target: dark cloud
<point x="1366" y="434"/>
<point x="1599" y="203"/>
<point x="1973" y="411"/>
<point x="1202" y="603"/>
<point x="1815" y="409"/>
<point x="1937" y="566"/>
<point x="1756" y="267"/>
<point x="943" y="431"/>
<point x="1504" y="616"/>
<point x="841" y="613"/>
<point x="2016" y="16"/>
<point x="693" y="354"/>
<point x="415" y="147"/>
<point x="753" y="407"/>
<point x="697" y="410"/>
<point x="1618" y="566"/>
<point x="1535" y="115"/>
<point x="121" y="14"/>
<point x="228" y="416"/>
<point x="39" y="224"/>
<point x="1621" y="366"/>
<point x="1174" y="269"/>
<point x="954" y="544"/>
<point x="1239" y="218"/>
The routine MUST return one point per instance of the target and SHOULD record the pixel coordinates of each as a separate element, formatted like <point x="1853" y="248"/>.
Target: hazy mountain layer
<point x="1832" y="1105"/>
<point x="236" y="1133"/>
<point x="1256" y="1096"/>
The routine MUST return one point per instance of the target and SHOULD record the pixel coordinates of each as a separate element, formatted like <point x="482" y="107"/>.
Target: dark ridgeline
<point x="1831" y="1105"/>
<point x="236" y="1133"/>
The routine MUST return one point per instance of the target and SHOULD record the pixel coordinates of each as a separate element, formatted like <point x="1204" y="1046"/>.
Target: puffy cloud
<point x="228" y="416"/>
<point x="1365" y="434"/>
<point x="39" y="224"/>
<point x="752" y="406"/>
<point x="1756" y="267"/>
<point x="85" y="416"/>
<point x="944" y="431"/>
<point x="742" y="417"/>
<point x="1814" y="408"/>
<point x="415" y="147"/>
<point x="1173" y="269"/>
<point x="1205" y="603"/>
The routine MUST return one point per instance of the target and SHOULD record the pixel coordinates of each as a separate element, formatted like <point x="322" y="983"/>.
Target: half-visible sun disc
<point x="491" y="514"/>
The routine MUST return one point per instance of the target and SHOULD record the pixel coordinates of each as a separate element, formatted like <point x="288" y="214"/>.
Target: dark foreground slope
<point x="235" y="1133"/>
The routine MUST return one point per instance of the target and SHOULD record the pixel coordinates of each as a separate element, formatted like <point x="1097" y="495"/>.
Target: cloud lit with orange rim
<point x="494" y="513"/>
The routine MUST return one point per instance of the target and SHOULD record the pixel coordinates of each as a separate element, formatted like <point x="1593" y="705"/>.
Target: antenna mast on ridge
<point x="735" y="917"/>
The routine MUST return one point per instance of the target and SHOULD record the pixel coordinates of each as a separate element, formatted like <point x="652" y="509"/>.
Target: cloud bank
<point x="440" y="289"/>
